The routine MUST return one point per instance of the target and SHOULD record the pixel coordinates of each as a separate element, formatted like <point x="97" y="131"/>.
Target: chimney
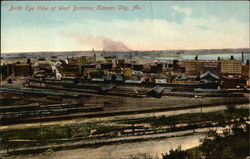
<point x="28" y="61"/>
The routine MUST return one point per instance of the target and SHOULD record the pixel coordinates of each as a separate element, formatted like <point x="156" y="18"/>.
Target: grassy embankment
<point x="47" y="135"/>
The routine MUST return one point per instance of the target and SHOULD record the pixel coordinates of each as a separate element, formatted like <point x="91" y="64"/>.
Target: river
<point x="203" y="57"/>
<point x="153" y="148"/>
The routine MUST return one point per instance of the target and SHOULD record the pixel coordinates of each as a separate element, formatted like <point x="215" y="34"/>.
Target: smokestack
<point x="196" y="57"/>
<point x="93" y="50"/>
<point x="242" y="57"/>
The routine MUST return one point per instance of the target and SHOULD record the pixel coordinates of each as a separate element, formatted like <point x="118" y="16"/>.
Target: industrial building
<point x="231" y="66"/>
<point x="196" y="67"/>
<point x="22" y="69"/>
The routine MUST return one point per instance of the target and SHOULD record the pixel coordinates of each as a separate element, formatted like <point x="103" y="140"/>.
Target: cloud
<point x="145" y="34"/>
<point x="186" y="11"/>
<point x="161" y="34"/>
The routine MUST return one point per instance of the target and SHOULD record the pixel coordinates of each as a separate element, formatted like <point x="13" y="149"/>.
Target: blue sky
<point x="157" y="25"/>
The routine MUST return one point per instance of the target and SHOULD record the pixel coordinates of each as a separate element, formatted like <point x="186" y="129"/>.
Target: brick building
<point x="22" y="69"/>
<point x="197" y="67"/>
<point x="231" y="67"/>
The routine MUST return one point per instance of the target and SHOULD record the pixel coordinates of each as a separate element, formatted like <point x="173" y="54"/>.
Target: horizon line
<point x="114" y="50"/>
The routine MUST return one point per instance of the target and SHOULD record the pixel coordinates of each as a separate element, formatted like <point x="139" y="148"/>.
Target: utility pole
<point x="196" y="97"/>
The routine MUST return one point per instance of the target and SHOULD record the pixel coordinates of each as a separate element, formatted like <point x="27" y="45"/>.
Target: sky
<point x="152" y="25"/>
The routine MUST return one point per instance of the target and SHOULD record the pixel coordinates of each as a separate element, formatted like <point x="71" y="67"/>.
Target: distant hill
<point x="218" y="51"/>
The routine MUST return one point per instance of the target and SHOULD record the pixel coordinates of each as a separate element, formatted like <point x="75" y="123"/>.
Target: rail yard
<point x="93" y="100"/>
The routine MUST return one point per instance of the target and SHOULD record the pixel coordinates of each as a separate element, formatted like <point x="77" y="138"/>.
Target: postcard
<point x="124" y="79"/>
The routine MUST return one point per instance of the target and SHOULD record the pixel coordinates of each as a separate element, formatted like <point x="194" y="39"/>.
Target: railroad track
<point x="9" y="115"/>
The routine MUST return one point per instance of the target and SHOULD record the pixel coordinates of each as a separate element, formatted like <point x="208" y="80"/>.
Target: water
<point x="215" y="56"/>
<point x="205" y="57"/>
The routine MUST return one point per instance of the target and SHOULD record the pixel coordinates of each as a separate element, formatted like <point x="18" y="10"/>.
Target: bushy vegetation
<point x="176" y="154"/>
<point x="231" y="144"/>
<point x="228" y="145"/>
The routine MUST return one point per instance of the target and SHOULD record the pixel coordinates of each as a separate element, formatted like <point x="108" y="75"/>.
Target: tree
<point x="175" y="154"/>
<point x="228" y="145"/>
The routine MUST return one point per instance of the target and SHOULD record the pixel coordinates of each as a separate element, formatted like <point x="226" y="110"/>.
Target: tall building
<point x="231" y="66"/>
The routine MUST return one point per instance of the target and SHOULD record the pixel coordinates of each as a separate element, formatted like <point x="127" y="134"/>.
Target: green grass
<point x="218" y="116"/>
<point x="54" y="134"/>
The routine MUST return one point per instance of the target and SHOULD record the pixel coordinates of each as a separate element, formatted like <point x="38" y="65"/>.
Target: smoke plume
<point x="98" y="42"/>
<point x="111" y="45"/>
